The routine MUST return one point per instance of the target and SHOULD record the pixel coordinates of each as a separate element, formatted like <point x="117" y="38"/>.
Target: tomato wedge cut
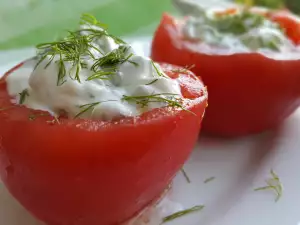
<point x="249" y="92"/>
<point x="89" y="172"/>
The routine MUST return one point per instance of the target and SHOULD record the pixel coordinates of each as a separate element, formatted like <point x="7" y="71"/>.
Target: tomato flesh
<point x="249" y="92"/>
<point x="88" y="172"/>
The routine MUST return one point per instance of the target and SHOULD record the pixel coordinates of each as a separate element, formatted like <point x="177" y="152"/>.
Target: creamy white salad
<point x="92" y="74"/>
<point x="243" y="31"/>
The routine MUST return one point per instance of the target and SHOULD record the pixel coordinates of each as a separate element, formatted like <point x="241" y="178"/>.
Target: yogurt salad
<point x="93" y="133"/>
<point x="91" y="69"/>
<point x="243" y="29"/>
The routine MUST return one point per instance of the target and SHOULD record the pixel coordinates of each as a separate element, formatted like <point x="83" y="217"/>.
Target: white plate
<point x="238" y="166"/>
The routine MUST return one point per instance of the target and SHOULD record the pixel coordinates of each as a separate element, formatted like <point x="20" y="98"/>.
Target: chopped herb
<point x="70" y="49"/>
<point x="236" y="24"/>
<point x="103" y="75"/>
<point x="23" y="96"/>
<point x="152" y="82"/>
<point x="159" y="73"/>
<point x="209" y="180"/>
<point x="112" y="59"/>
<point x="169" y="99"/>
<point x="86" y="108"/>
<point x="184" y="69"/>
<point x="88" y="19"/>
<point x="273" y="183"/>
<point x="185" y="175"/>
<point x="182" y="213"/>
<point x="76" y="46"/>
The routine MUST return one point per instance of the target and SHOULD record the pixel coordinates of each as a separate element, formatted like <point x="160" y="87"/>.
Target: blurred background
<point x="24" y="23"/>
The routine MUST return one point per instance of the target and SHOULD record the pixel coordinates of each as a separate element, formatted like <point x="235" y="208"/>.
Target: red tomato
<point x="289" y="22"/>
<point x="88" y="172"/>
<point x="249" y="92"/>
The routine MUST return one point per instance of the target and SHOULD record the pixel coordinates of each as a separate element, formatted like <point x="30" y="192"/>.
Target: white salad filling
<point x="243" y="31"/>
<point x="110" y="80"/>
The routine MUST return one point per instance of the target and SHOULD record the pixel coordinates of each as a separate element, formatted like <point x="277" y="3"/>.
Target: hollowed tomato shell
<point x="89" y="172"/>
<point x="248" y="92"/>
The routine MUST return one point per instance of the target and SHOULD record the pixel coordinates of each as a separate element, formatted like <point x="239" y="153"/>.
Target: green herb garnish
<point x="184" y="69"/>
<point x="86" y="107"/>
<point x="103" y="75"/>
<point x="88" y="19"/>
<point x="161" y="74"/>
<point x="170" y="99"/>
<point x="185" y="175"/>
<point x="23" y="96"/>
<point x="71" y="49"/>
<point x="112" y="59"/>
<point x="152" y="82"/>
<point x="273" y="183"/>
<point x="209" y="180"/>
<point x="182" y="213"/>
<point x="76" y="46"/>
<point x="236" y="24"/>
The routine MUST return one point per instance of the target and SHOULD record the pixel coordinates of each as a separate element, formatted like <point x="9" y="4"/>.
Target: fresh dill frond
<point x="210" y="179"/>
<point x="71" y="49"/>
<point x="159" y="73"/>
<point x="152" y="82"/>
<point x="88" y="19"/>
<point x="185" y="175"/>
<point x="273" y="183"/>
<point x="103" y="75"/>
<point x="86" y="107"/>
<point x="171" y="100"/>
<point x="184" y="69"/>
<point x="112" y="59"/>
<point x="182" y="213"/>
<point x="23" y="96"/>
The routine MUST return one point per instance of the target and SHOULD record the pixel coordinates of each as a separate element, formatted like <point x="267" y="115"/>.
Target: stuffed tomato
<point x="92" y="133"/>
<point x="248" y="58"/>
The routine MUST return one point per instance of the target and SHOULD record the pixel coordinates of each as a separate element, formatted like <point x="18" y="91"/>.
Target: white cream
<point x="129" y="80"/>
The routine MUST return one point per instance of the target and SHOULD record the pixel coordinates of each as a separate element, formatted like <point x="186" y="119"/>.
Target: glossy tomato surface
<point x="248" y="92"/>
<point x="89" y="172"/>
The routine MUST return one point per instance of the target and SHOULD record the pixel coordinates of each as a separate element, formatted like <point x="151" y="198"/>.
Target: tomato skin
<point x="289" y="22"/>
<point x="82" y="172"/>
<point x="249" y="93"/>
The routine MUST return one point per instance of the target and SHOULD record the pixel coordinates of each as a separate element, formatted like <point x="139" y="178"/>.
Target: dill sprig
<point x="152" y="82"/>
<point x="86" y="107"/>
<point x="159" y="73"/>
<point x="184" y="69"/>
<point x="23" y="96"/>
<point x="182" y="213"/>
<point x="168" y="98"/>
<point x="88" y="19"/>
<point x="76" y="46"/>
<point x="210" y="179"/>
<point x="71" y="49"/>
<point x="112" y="59"/>
<point x="103" y="75"/>
<point x="185" y="175"/>
<point x="273" y="183"/>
